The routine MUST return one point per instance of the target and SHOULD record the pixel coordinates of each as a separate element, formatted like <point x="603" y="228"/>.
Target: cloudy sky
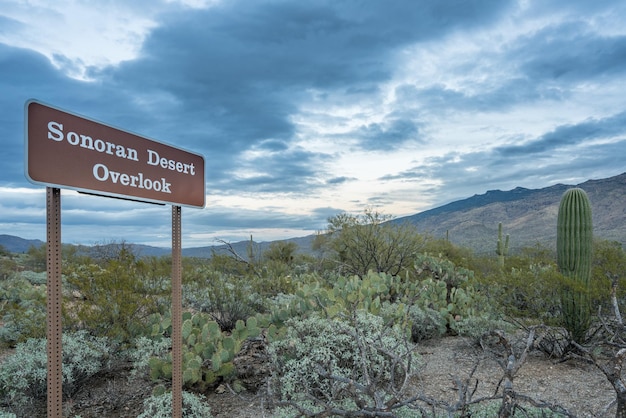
<point x="305" y="109"/>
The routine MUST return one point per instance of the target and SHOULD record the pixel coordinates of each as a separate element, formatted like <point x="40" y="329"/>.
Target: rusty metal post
<point x="54" y="327"/>
<point x="177" y="316"/>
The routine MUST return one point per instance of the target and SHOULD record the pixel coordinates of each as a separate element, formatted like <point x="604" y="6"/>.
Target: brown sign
<point x="70" y="151"/>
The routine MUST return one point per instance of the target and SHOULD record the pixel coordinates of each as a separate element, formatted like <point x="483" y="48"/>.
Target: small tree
<point x="4" y="251"/>
<point x="372" y="242"/>
<point x="36" y="258"/>
<point x="281" y="251"/>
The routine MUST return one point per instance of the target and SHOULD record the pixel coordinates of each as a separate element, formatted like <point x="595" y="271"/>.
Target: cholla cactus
<point x="574" y="245"/>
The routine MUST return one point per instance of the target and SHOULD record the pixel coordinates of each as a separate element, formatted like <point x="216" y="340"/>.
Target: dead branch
<point x="510" y="365"/>
<point x="237" y="257"/>
<point x="613" y="372"/>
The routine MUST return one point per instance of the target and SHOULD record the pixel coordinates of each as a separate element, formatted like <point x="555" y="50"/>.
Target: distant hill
<point x="18" y="245"/>
<point x="527" y="215"/>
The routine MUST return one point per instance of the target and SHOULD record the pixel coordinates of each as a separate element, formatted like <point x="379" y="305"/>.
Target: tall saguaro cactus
<point x="502" y="248"/>
<point x="574" y="245"/>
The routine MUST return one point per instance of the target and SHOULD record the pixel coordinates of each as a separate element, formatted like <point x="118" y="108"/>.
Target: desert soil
<point x="574" y="384"/>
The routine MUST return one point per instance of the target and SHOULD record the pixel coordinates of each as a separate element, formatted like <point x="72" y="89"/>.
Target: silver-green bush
<point x="160" y="406"/>
<point x="23" y="374"/>
<point x="336" y="364"/>
<point x="426" y="323"/>
<point x="476" y="326"/>
<point x="144" y="349"/>
<point x="35" y="278"/>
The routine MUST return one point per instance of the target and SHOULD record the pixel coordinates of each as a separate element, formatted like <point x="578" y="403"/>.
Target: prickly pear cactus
<point x="208" y="352"/>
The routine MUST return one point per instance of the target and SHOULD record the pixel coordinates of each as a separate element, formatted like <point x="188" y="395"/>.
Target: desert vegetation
<point x="336" y="332"/>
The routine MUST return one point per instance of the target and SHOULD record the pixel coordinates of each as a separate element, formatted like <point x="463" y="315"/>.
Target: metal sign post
<point x="177" y="316"/>
<point x="54" y="328"/>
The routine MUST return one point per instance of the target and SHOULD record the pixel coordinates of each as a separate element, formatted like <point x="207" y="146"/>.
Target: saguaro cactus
<point x="502" y="248"/>
<point x="574" y="245"/>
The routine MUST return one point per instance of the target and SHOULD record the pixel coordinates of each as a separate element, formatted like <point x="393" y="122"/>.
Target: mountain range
<point x="528" y="216"/>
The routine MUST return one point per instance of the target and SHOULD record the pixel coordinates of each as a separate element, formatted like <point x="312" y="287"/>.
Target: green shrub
<point x="226" y="302"/>
<point x="160" y="406"/>
<point x="8" y="267"/>
<point x="23" y="310"/>
<point x="36" y="259"/>
<point x="527" y="289"/>
<point x="23" y="375"/>
<point x="461" y="256"/>
<point x="115" y="298"/>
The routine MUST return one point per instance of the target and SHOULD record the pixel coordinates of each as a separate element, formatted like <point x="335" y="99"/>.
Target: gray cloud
<point x="340" y="180"/>
<point x="252" y="63"/>
<point x="388" y="135"/>
<point x="569" y="153"/>
<point x="241" y="82"/>
<point x="570" y="135"/>
<point x="571" y="53"/>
